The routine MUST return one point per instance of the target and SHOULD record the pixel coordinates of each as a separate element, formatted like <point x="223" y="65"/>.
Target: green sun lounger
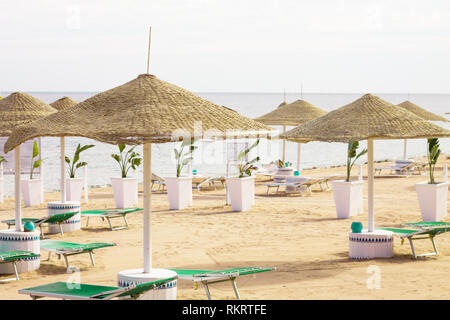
<point x="75" y="291"/>
<point x="110" y="214"/>
<point x="427" y="230"/>
<point x="65" y="249"/>
<point x="58" y="218"/>
<point x="13" y="257"/>
<point x="207" y="277"/>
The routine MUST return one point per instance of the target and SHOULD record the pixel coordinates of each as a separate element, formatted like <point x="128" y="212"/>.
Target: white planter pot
<point x="31" y="191"/>
<point x="125" y="192"/>
<point x="179" y="191"/>
<point x="74" y="188"/>
<point x="432" y="200"/>
<point x="241" y="192"/>
<point x="348" y="197"/>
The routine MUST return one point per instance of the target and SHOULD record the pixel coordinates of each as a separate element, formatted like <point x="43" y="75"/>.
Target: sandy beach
<point x="300" y="236"/>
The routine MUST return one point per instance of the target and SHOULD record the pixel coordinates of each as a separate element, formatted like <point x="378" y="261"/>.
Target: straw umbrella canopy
<point x="18" y="109"/>
<point x="292" y="114"/>
<point x="142" y="111"/>
<point x="367" y="118"/>
<point x="62" y="104"/>
<point x="424" y="114"/>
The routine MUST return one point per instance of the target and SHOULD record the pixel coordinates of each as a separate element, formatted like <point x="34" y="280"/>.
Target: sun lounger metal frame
<point x="208" y="277"/>
<point x="72" y="291"/>
<point x="406" y="169"/>
<point x="58" y="219"/>
<point x="308" y="184"/>
<point x="12" y="257"/>
<point x="423" y="233"/>
<point x="66" y="249"/>
<point x="110" y="214"/>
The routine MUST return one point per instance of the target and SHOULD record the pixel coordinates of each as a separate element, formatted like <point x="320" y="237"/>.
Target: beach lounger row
<point x="403" y="168"/>
<point x="66" y="290"/>
<point x="307" y="184"/>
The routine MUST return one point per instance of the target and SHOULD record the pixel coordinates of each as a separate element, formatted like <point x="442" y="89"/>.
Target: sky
<point x="323" y="46"/>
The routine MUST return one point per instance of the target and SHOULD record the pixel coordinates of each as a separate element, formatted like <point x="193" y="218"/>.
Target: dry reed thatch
<point x="366" y="117"/>
<point x="424" y="114"/>
<point x="20" y="108"/>
<point x="63" y="103"/>
<point x="142" y="110"/>
<point x="292" y="114"/>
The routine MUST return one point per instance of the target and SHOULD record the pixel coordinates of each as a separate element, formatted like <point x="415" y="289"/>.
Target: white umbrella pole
<point x="370" y="184"/>
<point x="147" y="207"/>
<point x="404" y="148"/>
<point x="17" y="208"/>
<point x="284" y="146"/>
<point x="299" y="146"/>
<point x="63" y="169"/>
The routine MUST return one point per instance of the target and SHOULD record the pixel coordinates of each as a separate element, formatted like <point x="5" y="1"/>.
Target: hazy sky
<point x="227" y="46"/>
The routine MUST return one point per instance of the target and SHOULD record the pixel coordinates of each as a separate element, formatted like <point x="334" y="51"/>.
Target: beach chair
<point x="58" y="219"/>
<point x="403" y="168"/>
<point x="158" y="181"/>
<point x="13" y="257"/>
<point x="208" y="277"/>
<point x="426" y="230"/>
<point x="197" y="182"/>
<point x="109" y="215"/>
<point x="65" y="249"/>
<point x="75" y="291"/>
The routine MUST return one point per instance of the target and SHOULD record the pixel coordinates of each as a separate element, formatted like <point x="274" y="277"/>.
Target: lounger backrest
<point x="59" y="217"/>
<point x="144" y="287"/>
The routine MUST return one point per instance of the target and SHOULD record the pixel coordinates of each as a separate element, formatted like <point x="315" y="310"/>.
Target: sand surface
<point x="299" y="235"/>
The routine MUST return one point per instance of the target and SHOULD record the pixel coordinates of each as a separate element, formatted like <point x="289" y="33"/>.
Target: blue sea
<point x="210" y="158"/>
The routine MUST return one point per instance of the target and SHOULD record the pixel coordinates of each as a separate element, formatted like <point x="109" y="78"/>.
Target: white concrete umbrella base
<point x="369" y="245"/>
<point x="137" y="276"/>
<point x="71" y="224"/>
<point x="11" y="240"/>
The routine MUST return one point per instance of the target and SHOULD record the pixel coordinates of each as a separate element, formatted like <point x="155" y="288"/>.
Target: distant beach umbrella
<point x="142" y="111"/>
<point x="62" y="104"/>
<point x="292" y="114"/>
<point x="15" y="110"/>
<point x="367" y="118"/>
<point x="424" y="114"/>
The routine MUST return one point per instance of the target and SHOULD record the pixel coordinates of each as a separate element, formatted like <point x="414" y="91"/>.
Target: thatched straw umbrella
<point x="292" y="114"/>
<point x="424" y="114"/>
<point x="367" y="118"/>
<point x="62" y="104"/>
<point x="145" y="110"/>
<point x="17" y="109"/>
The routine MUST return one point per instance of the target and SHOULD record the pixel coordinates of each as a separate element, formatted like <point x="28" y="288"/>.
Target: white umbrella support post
<point x="299" y="147"/>
<point x="146" y="274"/>
<point x="64" y="206"/>
<point x="17" y="239"/>
<point x="283" y="156"/>
<point x="405" y="143"/>
<point x="371" y="243"/>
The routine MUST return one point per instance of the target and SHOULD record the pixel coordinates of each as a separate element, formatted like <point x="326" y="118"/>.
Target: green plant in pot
<point x="352" y="156"/>
<point x="184" y="155"/>
<point x="127" y="159"/>
<point x="74" y="165"/>
<point x="246" y="167"/>
<point x="433" y="153"/>
<point x="34" y="163"/>
<point x="2" y="159"/>
<point x="126" y="189"/>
